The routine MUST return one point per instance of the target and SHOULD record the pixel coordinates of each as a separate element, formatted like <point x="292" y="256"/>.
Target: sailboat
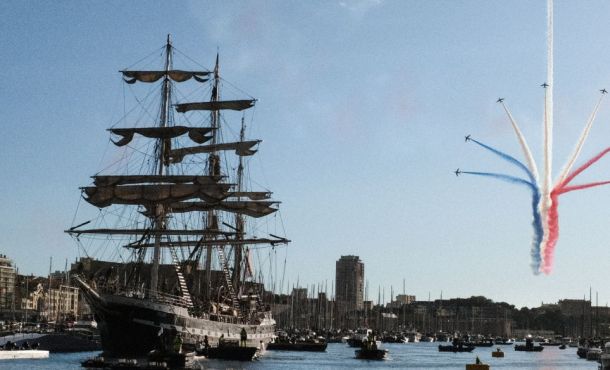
<point x="181" y="203"/>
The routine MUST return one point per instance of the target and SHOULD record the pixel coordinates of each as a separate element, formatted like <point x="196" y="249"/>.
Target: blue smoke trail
<point x="510" y="159"/>
<point x="537" y="223"/>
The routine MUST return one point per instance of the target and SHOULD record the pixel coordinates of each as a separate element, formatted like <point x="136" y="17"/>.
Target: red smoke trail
<point x="553" y="214"/>
<point x="582" y="168"/>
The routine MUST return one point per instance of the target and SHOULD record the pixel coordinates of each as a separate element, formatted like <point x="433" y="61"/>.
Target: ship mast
<point x="239" y="220"/>
<point x="159" y="193"/>
<point x="159" y="220"/>
<point x="213" y="170"/>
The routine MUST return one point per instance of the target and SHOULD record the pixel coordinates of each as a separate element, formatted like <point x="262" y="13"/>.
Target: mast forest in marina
<point x="172" y="200"/>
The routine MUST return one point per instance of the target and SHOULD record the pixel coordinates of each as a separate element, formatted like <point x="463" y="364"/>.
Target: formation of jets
<point x="500" y="100"/>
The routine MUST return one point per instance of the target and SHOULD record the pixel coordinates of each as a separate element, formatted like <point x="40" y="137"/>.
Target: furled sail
<point x="152" y="76"/>
<point x="248" y="208"/>
<point x="104" y="196"/>
<point x="216" y="105"/>
<point x="111" y="180"/>
<point x="253" y="195"/>
<point x="192" y="243"/>
<point x="242" y="148"/>
<point x="151" y="232"/>
<point x="197" y="134"/>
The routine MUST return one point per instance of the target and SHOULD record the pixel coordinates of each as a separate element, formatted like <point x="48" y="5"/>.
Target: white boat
<point x="23" y="354"/>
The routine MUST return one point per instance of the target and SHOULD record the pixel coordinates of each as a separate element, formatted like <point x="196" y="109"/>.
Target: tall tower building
<point x="7" y="283"/>
<point x="349" y="282"/>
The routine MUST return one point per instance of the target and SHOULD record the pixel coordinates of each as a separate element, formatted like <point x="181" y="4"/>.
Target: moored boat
<point x="356" y="339"/>
<point x="604" y="358"/>
<point x="456" y="346"/>
<point x="482" y="343"/>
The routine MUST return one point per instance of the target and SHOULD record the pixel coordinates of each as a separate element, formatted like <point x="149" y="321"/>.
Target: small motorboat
<point x="371" y="353"/>
<point x="528" y="346"/>
<point x="477" y="366"/>
<point x="228" y="350"/>
<point x="497" y="353"/>
<point x="563" y="346"/>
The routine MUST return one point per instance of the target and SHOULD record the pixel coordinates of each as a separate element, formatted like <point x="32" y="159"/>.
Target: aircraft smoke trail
<point x="508" y="158"/>
<point x="531" y="164"/>
<point x="536" y="223"/>
<point x="580" y="169"/>
<point x="581" y="142"/>
<point x="546" y="201"/>
<point x="537" y="220"/>
<point x="553" y="215"/>
<point x="568" y="189"/>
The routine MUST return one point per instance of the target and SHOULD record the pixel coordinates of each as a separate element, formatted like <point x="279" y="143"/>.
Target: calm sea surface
<point x="339" y="356"/>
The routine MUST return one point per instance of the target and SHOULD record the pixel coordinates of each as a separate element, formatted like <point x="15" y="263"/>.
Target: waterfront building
<point x="349" y="292"/>
<point x="62" y="303"/>
<point x="401" y="299"/>
<point x="7" y="284"/>
<point x="349" y="282"/>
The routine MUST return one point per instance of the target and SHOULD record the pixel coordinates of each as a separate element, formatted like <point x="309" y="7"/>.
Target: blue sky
<point x="362" y="107"/>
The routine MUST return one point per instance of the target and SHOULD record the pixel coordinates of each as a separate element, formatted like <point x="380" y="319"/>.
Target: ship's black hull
<point x="132" y="327"/>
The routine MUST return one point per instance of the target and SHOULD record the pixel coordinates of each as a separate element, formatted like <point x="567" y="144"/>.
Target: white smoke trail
<point x="531" y="164"/>
<point x="545" y="199"/>
<point x="580" y="143"/>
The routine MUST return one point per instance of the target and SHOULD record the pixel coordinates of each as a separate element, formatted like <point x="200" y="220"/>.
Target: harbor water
<point x="340" y="356"/>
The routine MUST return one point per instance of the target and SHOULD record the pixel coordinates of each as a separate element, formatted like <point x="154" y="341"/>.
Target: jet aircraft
<point x="457" y="172"/>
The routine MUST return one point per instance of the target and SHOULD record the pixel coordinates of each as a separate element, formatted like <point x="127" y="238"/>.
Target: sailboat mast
<point x="213" y="170"/>
<point x="163" y="149"/>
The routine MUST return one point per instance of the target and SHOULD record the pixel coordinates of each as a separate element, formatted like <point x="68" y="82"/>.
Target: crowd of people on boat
<point x="10" y="346"/>
<point x="370" y="342"/>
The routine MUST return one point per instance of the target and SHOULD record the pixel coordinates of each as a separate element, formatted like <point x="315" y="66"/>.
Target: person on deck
<point x="244" y="337"/>
<point x="178" y="344"/>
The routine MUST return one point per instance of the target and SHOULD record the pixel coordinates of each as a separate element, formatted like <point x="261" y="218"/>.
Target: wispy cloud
<point x="359" y="8"/>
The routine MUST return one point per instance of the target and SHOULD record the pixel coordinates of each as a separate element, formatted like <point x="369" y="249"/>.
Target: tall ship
<point x="176" y="213"/>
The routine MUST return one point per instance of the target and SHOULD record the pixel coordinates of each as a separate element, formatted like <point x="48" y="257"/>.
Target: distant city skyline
<point x="363" y="106"/>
